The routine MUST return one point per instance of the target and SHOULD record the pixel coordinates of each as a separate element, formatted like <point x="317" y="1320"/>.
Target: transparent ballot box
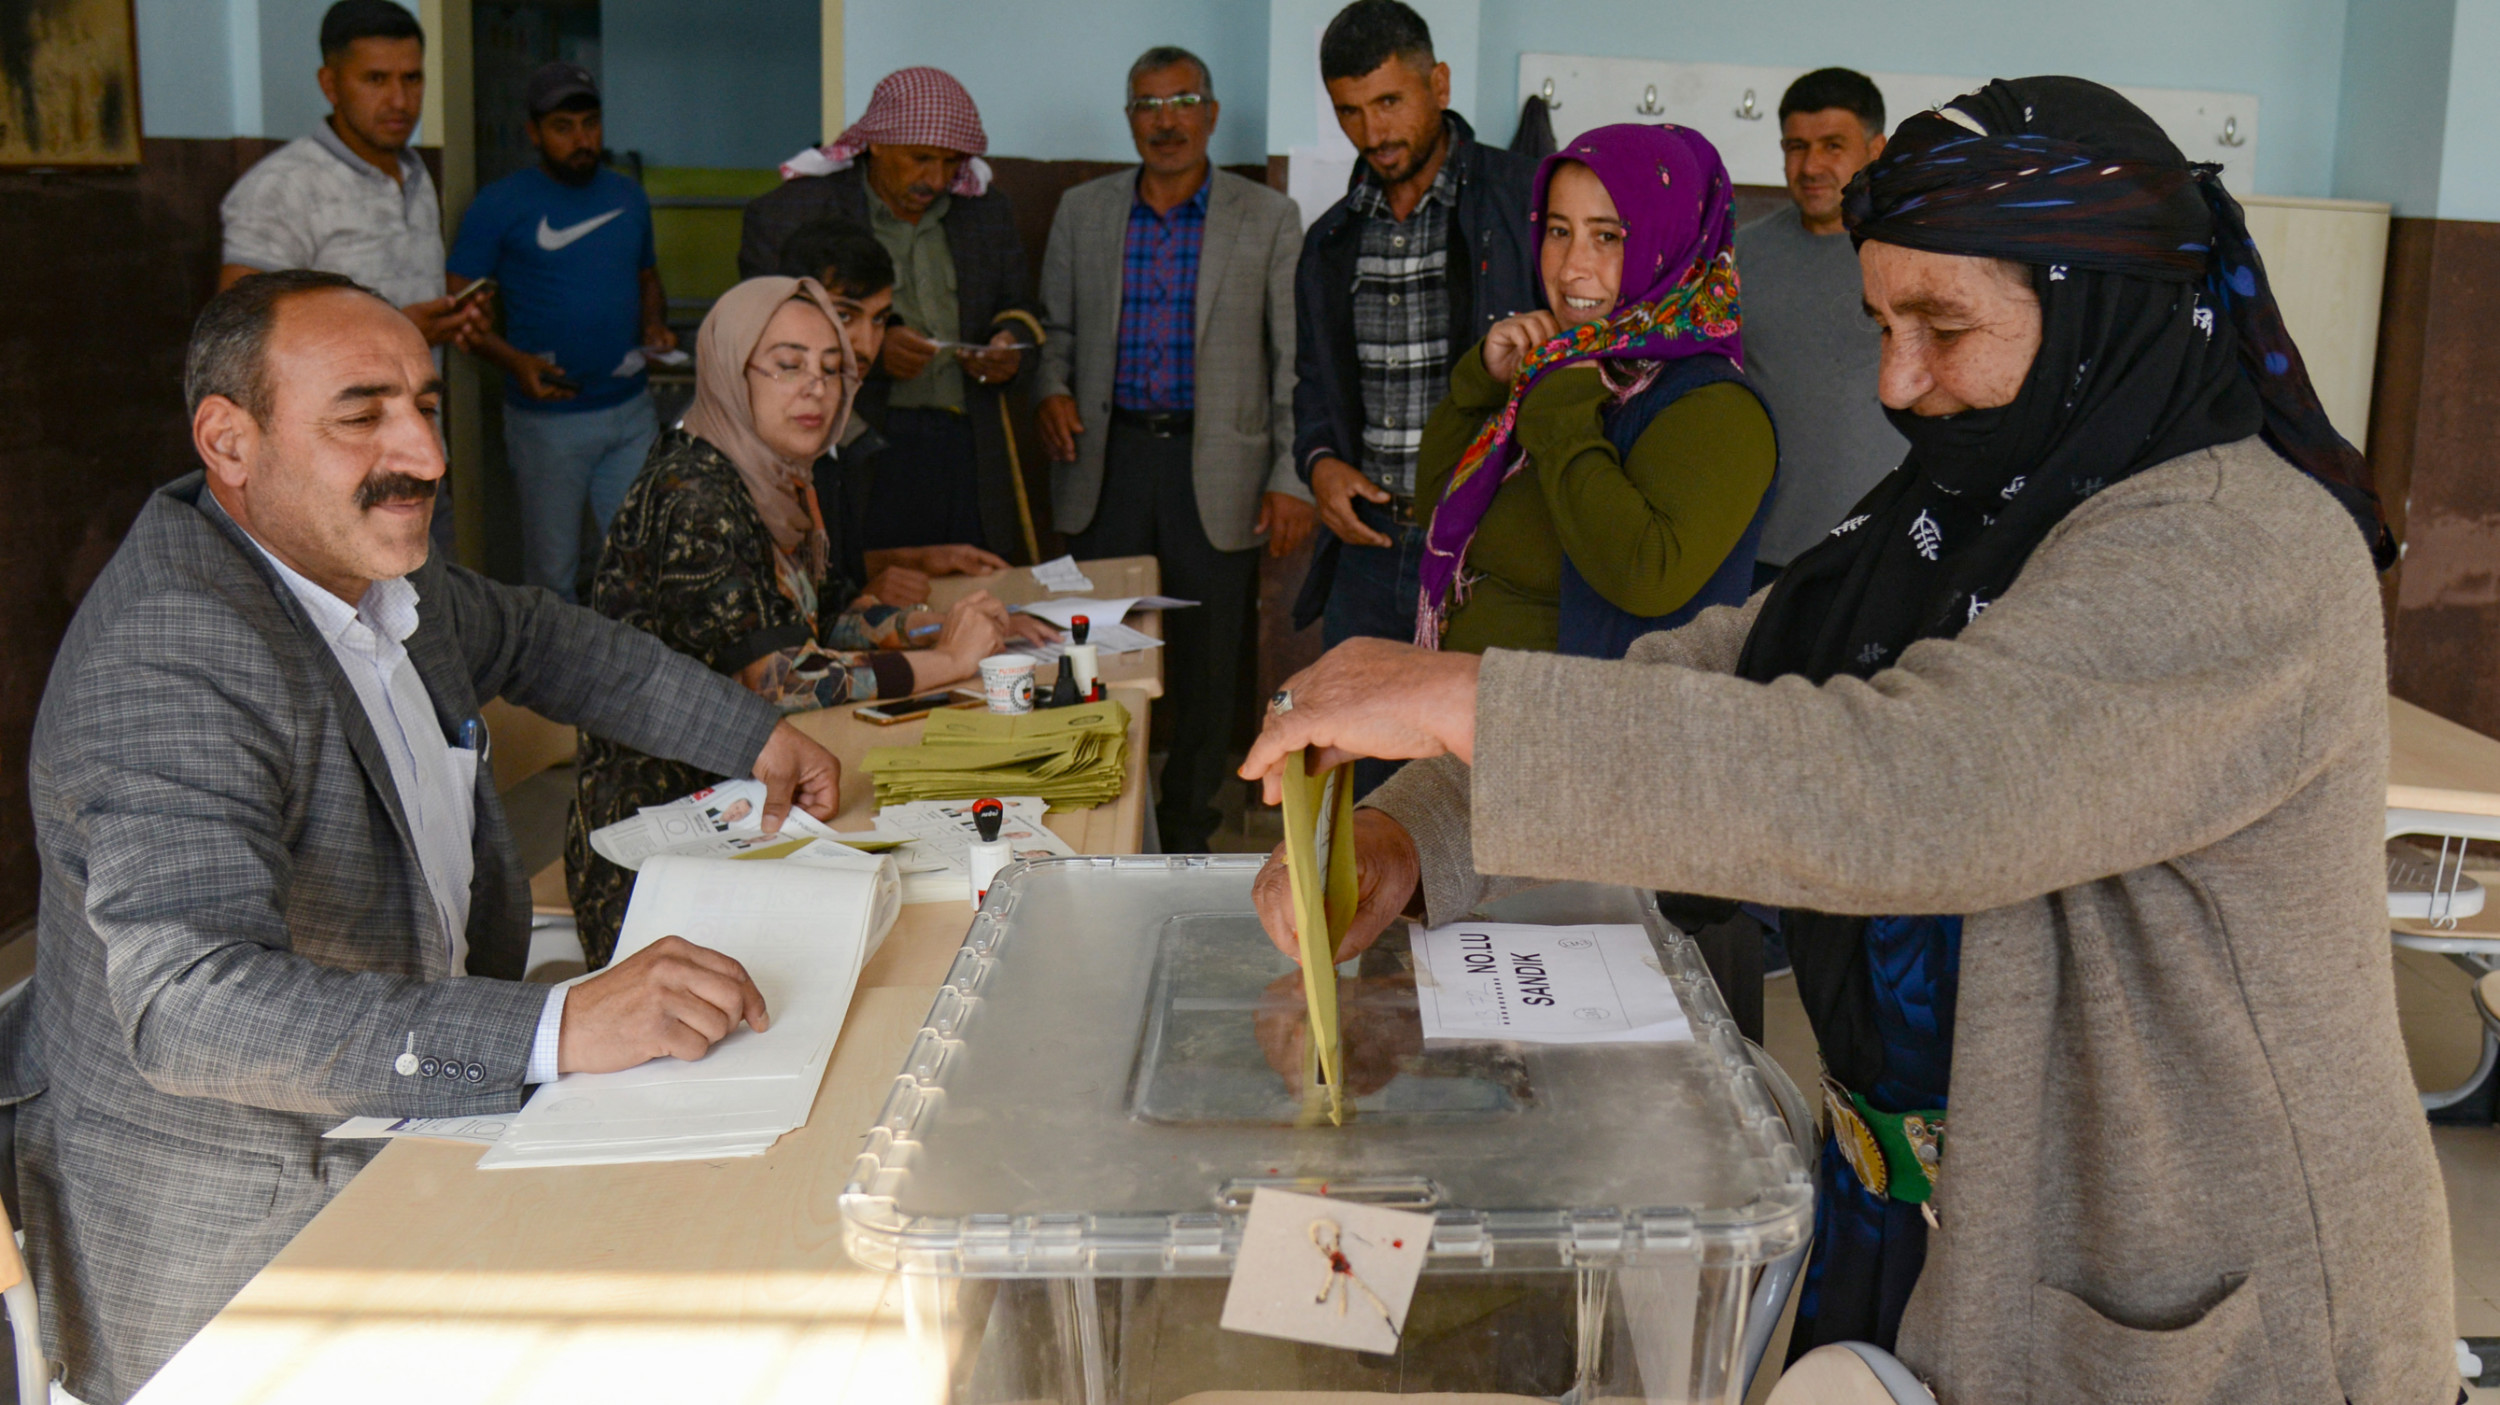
<point x="1112" y="1071"/>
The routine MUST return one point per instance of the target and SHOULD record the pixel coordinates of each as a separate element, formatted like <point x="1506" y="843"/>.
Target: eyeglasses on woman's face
<point x="796" y="372"/>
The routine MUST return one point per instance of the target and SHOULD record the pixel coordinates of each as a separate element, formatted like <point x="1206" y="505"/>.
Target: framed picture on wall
<point x="69" y="83"/>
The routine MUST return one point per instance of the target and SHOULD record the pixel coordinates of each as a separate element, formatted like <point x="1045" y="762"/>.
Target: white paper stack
<point x="1105" y="623"/>
<point x="936" y="864"/>
<point x="1061" y="575"/>
<point x="719" y="821"/>
<point x="803" y="931"/>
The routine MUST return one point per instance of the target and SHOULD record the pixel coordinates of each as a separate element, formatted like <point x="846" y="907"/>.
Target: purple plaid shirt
<point x="1158" y="366"/>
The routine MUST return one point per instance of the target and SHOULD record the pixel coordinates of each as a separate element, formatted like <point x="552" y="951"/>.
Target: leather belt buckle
<point x="1399" y="509"/>
<point x="1162" y="424"/>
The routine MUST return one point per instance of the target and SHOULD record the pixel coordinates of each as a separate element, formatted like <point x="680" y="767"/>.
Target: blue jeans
<point x="1374" y="597"/>
<point x="563" y="461"/>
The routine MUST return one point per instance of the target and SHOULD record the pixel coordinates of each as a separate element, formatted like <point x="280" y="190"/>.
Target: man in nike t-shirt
<point x="569" y="246"/>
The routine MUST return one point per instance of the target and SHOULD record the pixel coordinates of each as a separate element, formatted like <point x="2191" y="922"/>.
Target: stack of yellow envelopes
<point x="1072" y="757"/>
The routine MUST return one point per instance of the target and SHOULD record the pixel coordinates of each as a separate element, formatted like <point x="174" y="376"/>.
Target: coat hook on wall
<point x="1649" y="102"/>
<point x="1749" y="110"/>
<point x="2231" y="133"/>
<point x="1547" y="93"/>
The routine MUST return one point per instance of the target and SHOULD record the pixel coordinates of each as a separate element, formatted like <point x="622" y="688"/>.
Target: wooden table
<point x="2435" y="764"/>
<point x="1114" y="577"/>
<point x="427" y="1280"/>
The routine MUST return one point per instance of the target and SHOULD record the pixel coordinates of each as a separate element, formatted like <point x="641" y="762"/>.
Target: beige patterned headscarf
<point x="724" y="417"/>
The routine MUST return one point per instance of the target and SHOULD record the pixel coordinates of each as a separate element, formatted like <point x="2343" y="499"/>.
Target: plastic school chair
<point x="1778" y="1279"/>
<point x="17" y="1293"/>
<point x="2435" y="895"/>
<point x="1849" y="1373"/>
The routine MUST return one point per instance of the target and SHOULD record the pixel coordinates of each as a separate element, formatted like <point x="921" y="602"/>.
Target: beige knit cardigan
<point x="2184" y="1161"/>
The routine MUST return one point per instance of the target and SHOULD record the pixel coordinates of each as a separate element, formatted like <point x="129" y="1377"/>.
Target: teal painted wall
<point x="229" y="68"/>
<point x="2469" y="163"/>
<point x="2288" y="52"/>
<point x="2391" y="121"/>
<point x="1050" y="75"/>
<point x="710" y="82"/>
<point x="2357" y="94"/>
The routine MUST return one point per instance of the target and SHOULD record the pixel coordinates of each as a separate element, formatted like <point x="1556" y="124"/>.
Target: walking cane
<point x="1015" y="475"/>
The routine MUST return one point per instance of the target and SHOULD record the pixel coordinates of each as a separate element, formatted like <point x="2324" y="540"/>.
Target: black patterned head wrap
<point x="2159" y="337"/>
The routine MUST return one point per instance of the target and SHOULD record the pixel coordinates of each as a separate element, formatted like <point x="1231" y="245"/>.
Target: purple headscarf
<point x="1678" y="299"/>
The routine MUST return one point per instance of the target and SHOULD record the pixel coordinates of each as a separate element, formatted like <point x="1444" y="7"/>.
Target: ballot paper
<point x="802" y="933"/>
<point x="1100" y="614"/>
<point x="1106" y="639"/>
<point x="936" y="864"/>
<point x="1320" y="869"/>
<point x="1061" y="575"/>
<point x="477" y="1131"/>
<point x="1544" y="985"/>
<point x="689" y="826"/>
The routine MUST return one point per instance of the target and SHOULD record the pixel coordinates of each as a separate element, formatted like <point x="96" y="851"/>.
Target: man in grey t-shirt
<point x="1809" y="347"/>
<point x="352" y="198"/>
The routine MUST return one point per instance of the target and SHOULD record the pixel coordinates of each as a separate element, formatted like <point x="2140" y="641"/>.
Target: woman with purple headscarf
<point x="1601" y="470"/>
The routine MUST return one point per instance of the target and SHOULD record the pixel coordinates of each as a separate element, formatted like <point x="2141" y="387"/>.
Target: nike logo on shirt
<point x="553" y="239"/>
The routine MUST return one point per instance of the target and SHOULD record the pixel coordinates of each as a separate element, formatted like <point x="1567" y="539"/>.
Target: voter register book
<point x="802" y="930"/>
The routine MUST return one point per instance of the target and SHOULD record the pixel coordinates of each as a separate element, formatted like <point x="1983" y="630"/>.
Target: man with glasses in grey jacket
<point x="1167" y="385"/>
<point x="278" y="887"/>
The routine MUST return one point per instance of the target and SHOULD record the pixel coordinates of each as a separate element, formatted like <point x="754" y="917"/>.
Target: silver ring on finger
<point x="1280" y="704"/>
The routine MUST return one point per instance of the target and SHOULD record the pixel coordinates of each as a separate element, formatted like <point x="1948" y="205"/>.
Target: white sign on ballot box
<point x="1597" y="984"/>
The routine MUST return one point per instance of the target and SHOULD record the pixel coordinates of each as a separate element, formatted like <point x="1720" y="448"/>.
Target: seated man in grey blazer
<point x="1167" y="385"/>
<point x="278" y="887"/>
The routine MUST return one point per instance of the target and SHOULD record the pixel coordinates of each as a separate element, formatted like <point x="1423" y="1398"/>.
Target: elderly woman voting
<point x="720" y="549"/>
<point x="1601" y="470"/>
<point x="2066" y="755"/>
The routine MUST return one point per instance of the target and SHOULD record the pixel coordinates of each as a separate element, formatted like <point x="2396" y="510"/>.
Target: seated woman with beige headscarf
<point x="720" y="550"/>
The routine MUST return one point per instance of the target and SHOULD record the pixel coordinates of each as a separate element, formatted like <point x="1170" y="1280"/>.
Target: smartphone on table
<point x="886" y="714"/>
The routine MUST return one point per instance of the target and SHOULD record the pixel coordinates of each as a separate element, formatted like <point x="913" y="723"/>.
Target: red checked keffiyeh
<point x="911" y="107"/>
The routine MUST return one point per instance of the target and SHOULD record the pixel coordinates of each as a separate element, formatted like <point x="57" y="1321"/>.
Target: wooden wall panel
<point x="2444" y="644"/>
<point x="102" y="273"/>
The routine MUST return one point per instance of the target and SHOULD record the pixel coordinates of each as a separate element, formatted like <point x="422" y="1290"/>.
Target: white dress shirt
<point x="436" y="781"/>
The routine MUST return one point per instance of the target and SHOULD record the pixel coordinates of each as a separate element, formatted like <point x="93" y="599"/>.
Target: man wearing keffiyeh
<point x="2066" y="756"/>
<point x="910" y="170"/>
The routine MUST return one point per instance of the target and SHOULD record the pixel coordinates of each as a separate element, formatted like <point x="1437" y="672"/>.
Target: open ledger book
<point x="803" y="928"/>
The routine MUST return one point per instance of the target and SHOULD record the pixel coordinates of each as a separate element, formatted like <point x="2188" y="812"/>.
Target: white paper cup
<point x="1007" y="682"/>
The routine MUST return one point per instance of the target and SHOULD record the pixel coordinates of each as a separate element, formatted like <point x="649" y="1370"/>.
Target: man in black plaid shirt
<point x="1430" y="247"/>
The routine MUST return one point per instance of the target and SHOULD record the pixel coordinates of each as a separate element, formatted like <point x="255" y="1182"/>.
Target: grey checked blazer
<point x="1243" y="442"/>
<point x="234" y="941"/>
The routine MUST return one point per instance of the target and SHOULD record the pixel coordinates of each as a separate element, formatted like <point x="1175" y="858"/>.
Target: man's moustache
<point x="385" y="489"/>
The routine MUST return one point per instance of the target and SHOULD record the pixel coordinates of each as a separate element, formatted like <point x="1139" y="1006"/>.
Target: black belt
<point x="1162" y="424"/>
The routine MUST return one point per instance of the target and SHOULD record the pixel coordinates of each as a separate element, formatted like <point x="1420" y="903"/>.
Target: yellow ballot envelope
<point x="1319" y="858"/>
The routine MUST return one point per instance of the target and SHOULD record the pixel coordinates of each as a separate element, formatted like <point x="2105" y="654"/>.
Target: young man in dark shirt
<point x="1434" y="241"/>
